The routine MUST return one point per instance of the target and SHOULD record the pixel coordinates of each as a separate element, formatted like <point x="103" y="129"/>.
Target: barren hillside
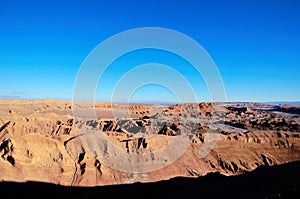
<point x="50" y="141"/>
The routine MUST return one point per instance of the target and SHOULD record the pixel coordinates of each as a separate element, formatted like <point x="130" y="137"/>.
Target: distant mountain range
<point x="16" y="97"/>
<point x="281" y="102"/>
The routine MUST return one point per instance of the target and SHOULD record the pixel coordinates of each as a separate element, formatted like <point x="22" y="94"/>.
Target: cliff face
<point x="43" y="141"/>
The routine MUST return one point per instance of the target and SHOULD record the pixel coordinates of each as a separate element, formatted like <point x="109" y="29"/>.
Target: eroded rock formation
<point x="44" y="141"/>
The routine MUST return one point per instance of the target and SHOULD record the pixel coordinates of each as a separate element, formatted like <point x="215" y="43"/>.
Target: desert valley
<point x="42" y="141"/>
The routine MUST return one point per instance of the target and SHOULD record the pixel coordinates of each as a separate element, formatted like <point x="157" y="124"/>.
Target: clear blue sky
<point x="255" y="44"/>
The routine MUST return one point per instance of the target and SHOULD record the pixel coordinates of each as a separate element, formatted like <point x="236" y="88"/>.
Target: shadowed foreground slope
<point x="281" y="181"/>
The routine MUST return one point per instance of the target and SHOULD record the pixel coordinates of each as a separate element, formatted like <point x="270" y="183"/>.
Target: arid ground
<point x="47" y="141"/>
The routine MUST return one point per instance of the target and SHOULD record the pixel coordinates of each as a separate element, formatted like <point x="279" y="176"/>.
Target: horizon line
<point x="152" y="102"/>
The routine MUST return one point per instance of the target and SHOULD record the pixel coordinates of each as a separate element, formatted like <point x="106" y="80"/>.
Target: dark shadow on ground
<point x="282" y="181"/>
